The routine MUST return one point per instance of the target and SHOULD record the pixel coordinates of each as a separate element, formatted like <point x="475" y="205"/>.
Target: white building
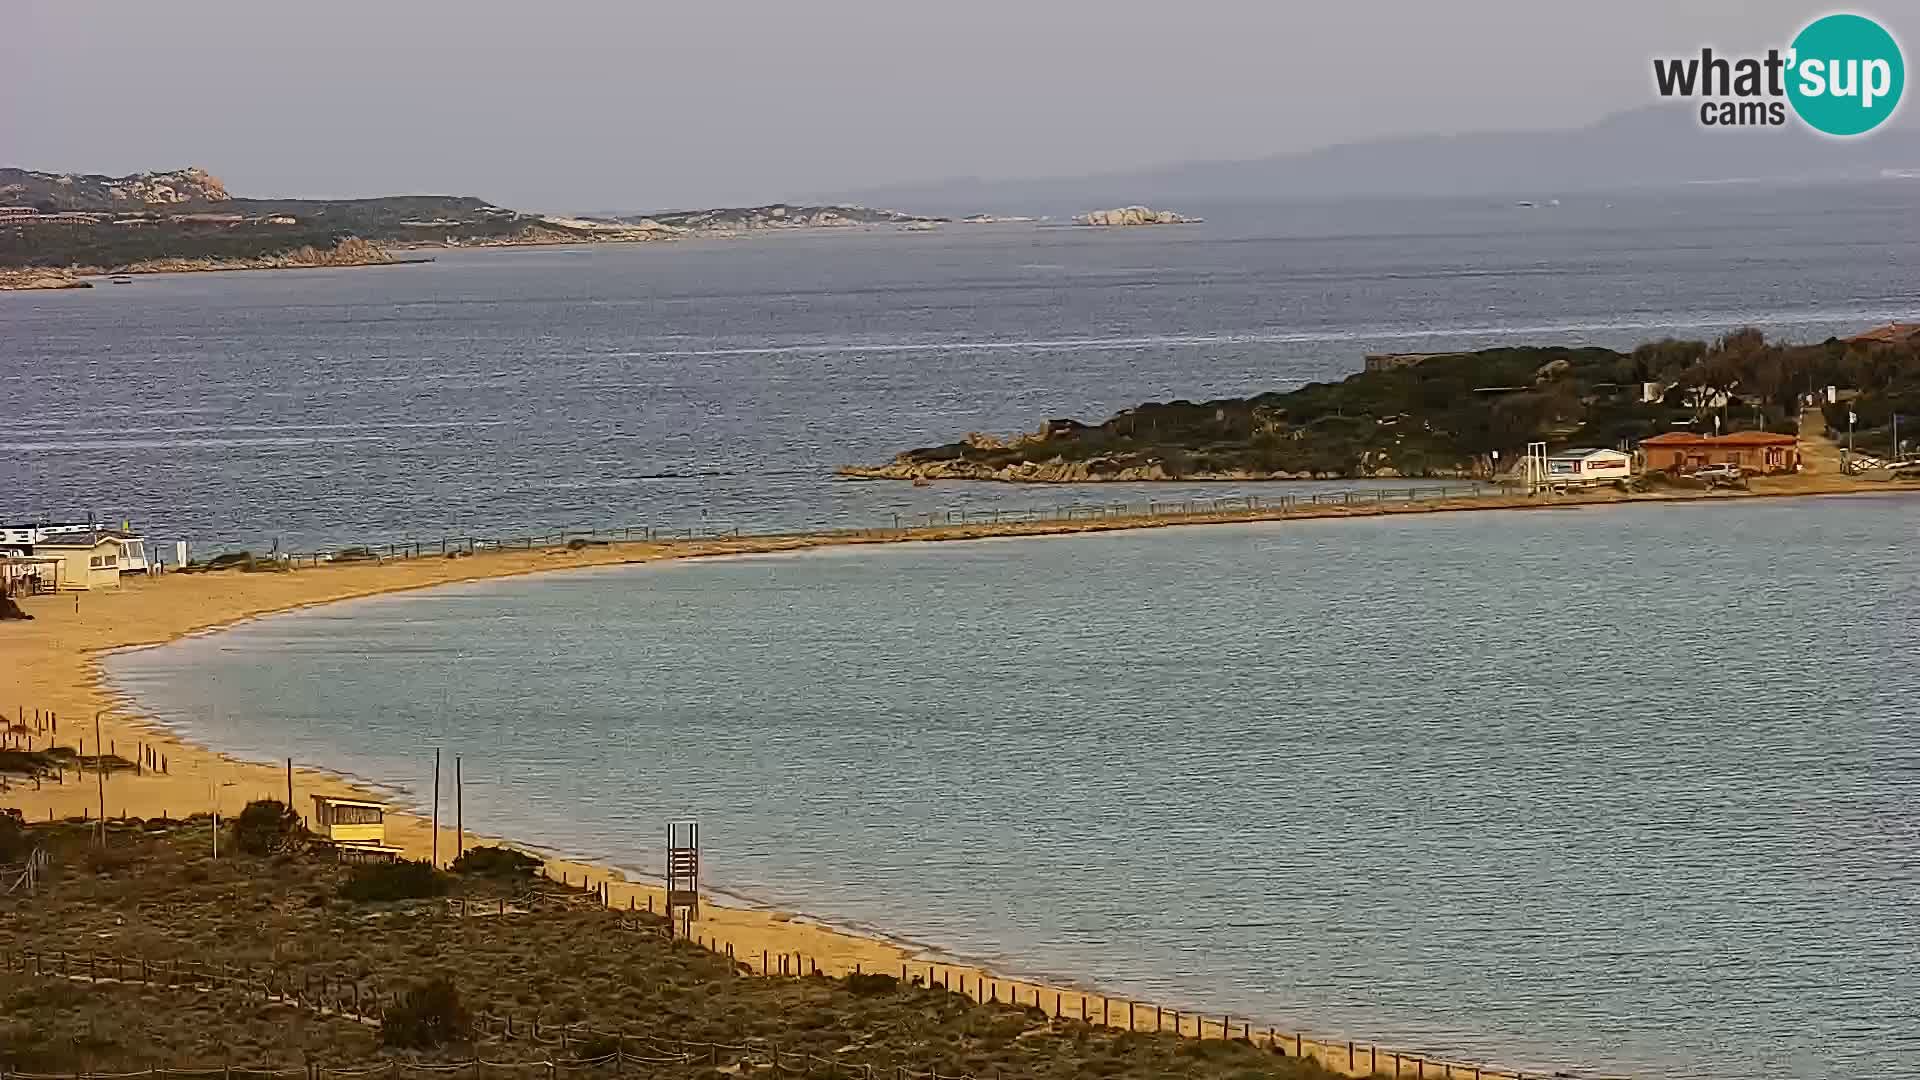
<point x="89" y="556"/>
<point x="133" y="547"/>
<point x="1588" y="465"/>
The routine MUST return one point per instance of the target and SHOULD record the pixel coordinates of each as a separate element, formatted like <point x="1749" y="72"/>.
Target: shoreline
<point x="136" y="270"/>
<point x="61" y="658"/>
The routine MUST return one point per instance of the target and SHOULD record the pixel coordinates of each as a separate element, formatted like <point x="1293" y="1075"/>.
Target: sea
<point x="1630" y="791"/>
<point x="717" y="383"/>
<point x="1623" y="791"/>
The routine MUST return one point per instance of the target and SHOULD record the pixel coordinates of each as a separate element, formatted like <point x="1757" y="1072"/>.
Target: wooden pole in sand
<point x="436" y="808"/>
<point x="101" y="775"/>
<point x="290" y="785"/>
<point x="459" y="818"/>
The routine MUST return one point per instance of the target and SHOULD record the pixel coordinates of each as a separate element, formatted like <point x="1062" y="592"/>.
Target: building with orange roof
<point x="1759" y="452"/>
<point x="1894" y="333"/>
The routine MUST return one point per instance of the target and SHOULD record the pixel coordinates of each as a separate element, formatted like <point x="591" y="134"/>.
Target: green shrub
<point x="267" y="827"/>
<point x="426" y="1016"/>
<point x="871" y="985"/>
<point x="402" y="879"/>
<point x="496" y="862"/>
<point x="15" y="844"/>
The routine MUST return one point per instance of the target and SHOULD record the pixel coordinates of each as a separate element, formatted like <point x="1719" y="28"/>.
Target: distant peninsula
<point x="1466" y="414"/>
<point x="58" y="227"/>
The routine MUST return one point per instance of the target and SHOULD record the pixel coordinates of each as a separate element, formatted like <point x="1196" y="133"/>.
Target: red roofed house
<point x="1754" y="451"/>
<point x="1891" y="334"/>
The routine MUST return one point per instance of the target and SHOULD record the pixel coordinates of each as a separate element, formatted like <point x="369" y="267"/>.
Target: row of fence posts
<point x="346" y="998"/>
<point x="24" y="731"/>
<point x="987" y="990"/>
<point x="1240" y="505"/>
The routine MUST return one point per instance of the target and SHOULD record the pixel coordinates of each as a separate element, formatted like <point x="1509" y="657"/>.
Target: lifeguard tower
<point x="357" y="829"/>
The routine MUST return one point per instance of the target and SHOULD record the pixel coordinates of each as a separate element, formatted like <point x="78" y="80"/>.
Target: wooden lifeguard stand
<point x="683" y="871"/>
<point x="356" y="828"/>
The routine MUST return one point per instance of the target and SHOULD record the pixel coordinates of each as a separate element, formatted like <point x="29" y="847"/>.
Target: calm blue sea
<point x="719" y="382"/>
<point x="1628" y="791"/>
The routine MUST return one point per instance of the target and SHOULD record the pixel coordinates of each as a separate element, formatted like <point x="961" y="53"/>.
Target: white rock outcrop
<point x="1133" y="215"/>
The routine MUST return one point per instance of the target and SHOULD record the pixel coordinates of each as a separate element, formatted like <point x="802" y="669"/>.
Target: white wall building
<point x="90" y="555"/>
<point x="1588" y="465"/>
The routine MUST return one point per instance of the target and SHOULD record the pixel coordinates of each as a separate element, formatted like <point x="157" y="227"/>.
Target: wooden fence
<point x="38" y="731"/>
<point x="1252" y="507"/>
<point x="367" y="1002"/>
<point x="346" y="1000"/>
<point x="24" y="878"/>
<point x="1348" y="1057"/>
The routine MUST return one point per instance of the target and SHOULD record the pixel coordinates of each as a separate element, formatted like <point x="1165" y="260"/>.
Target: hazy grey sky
<point x="637" y="104"/>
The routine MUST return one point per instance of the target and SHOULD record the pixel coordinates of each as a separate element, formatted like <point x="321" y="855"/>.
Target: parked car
<point x="1718" y="474"/>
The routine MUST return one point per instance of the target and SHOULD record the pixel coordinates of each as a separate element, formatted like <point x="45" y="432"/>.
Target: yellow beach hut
<point x="356" y="828"/>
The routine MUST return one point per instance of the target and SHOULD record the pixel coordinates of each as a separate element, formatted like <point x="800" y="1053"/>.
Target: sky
<point x="583" y="105"/>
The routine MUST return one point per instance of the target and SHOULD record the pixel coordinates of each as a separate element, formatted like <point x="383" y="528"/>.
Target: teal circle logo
<point x="1847" y="74"/>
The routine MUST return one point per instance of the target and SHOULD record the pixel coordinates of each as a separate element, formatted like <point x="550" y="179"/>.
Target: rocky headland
<point x="92" y="191"/>
<point x="1440" y="415"/>
<point x="1133" y="215"/>
<point x="185" y="219"/>
<point x="726" y="221"/>
<point x="351" y="251"/>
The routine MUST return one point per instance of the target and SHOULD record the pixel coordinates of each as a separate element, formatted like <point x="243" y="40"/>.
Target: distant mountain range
<point x="1658" y="146"/>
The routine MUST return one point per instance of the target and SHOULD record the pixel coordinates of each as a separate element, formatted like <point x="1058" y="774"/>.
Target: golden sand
<point x="52" y="664"/>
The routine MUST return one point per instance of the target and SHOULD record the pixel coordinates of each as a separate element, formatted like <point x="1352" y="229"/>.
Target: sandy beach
<point x="54" y="666"/>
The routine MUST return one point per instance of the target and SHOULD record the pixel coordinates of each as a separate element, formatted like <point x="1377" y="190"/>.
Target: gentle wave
<point x="1289" y="337"/>
<point x="183" y="444"/>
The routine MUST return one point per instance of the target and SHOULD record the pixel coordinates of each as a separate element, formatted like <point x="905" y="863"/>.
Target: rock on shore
<point x="352" y="251"/>
<point x="37" y="278"/>
<point x="1133" y="215"/>
<point x="1089" y="471"/>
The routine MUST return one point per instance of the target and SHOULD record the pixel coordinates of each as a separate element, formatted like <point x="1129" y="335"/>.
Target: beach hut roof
<point x="332" y="801"/>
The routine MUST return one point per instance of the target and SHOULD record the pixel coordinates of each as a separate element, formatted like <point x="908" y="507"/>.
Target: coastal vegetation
<point x="154" y="900"/>
<point x="55" y="225"/>
<point x="1447" y="415"/>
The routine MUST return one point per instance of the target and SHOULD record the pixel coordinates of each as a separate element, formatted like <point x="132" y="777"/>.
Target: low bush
<point x="267" y="827"/>
<point x="402" y="879"/>
<point x="496" y="862"/>
<point x="29" y="762"/>
<point x="15" y="844"/>
<point x="872" y="985"/>
<point x="426" y="1016"/>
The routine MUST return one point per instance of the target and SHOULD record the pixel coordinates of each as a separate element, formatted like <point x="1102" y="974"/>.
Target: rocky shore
<point x="1091" y="471"/>
<point x="351" y="251"/>
<point x="1439" y="416"/>
<point x="1133" y="215"/>
<point x="37" y="278"/>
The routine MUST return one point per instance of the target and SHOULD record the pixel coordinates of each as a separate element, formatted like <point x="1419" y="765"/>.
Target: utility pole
<point x="100" y="774"/>
<point x="459" y="819"/>
<point x="289" y="785"/>
<point x="436" y="807"/>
